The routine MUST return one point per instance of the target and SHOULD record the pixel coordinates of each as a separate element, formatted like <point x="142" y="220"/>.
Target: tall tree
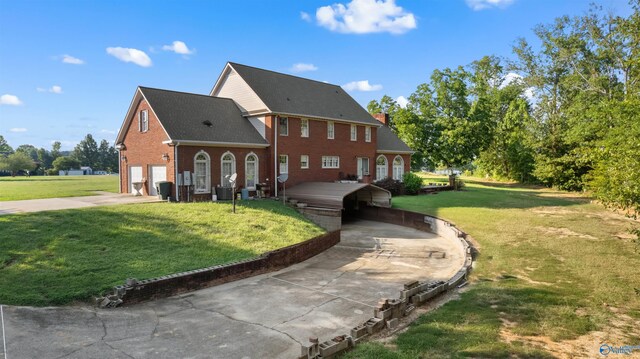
<point x="87" y="152"/>
<point x="29" y="150"/>
<point x="55" y="150"/>
<point x="5" y="149"/>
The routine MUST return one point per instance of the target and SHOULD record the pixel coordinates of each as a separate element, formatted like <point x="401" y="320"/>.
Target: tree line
<point x="565" y="113"/>
<point x="39" y="161"/>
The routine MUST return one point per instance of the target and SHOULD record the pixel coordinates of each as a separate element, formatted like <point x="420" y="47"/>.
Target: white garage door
<point x="135" y="175"/>
<point x="158" y="173"/>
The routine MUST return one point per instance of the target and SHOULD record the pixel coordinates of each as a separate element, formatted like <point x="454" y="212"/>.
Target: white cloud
<point x="178" y="47"/>
<point x="305" y="16"/>
<point x="363" y="85"/>
<point x="68" y="59"/>
<point x="11" y="100"/>
<point x="366" y="16"/>
<point x="18" y="129"/>
<point x="53" y="89"/>
<point x="402" y="101"/>
<point x="136" y="56"/>
<point x="512" y="78"/>
<point x="111" y="132"/>
<point x="302" y="67"/>
<point x="478" y="5"/>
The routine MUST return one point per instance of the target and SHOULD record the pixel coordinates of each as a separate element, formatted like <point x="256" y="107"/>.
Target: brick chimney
<point x="382" y="117"/>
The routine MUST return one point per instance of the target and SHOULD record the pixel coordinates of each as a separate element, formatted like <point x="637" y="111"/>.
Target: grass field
<point x="19" y="188"/>
<point x="58" y="257"/>
<point x="557" y="276"/>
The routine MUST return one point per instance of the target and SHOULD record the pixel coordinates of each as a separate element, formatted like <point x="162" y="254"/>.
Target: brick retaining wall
<point x="138" y="291"/>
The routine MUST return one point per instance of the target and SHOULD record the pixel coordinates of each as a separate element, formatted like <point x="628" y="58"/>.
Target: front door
<point x="363" y="167"/>
<point x="158" y="173"/>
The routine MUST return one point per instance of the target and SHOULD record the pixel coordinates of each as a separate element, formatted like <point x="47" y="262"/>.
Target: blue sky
<point x="68" y="68"/>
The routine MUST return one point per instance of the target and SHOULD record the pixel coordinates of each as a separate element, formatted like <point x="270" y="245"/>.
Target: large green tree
<point x="87" y="152"/>
<point x="5" y="149"/>
<point x="18" y="161"/>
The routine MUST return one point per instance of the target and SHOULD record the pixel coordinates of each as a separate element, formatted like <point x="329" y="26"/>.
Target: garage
<point x="156" y="174"/>
<point x="135" y="175"/>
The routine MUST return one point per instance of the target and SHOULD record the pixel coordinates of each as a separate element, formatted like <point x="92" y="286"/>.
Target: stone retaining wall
<point x="134" y="291"/>
<point x="389" y="311"/>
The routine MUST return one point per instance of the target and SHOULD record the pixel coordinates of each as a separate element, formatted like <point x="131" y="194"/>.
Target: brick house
<point x="258" y="124"/>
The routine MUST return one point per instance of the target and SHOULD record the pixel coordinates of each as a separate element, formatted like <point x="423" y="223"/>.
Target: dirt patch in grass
<point x="552" y="211"/>
<point x="564" y="233"/>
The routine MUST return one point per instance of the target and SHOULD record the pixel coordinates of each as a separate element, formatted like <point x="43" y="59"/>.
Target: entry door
<point x="363" y="167"/>
<point x="158" y="173"/>
<point x="135" y="175"/>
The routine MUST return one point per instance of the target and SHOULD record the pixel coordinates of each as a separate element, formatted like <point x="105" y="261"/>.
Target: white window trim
<point x="330" y="166"/>
<point x="359" y="162"/>
<point x="393" y="164"/>
<point x="331" y="134"/>
<point x="367" y="134"/>
<point x="354" y="132"/>
<point x="386" y="168"/>
<point x="280" y="163"/>
<point x="301" y="165"/>
<point x="287" y="120"/>
<point x="302" y="133"/>
<point x="143" y="126"/>
<point x="207" y="173"/>
<point x="257" y="162"/>
<point x="233" y="166"/>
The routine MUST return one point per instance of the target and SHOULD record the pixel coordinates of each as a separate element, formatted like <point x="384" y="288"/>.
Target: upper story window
<point x="354" y="133"/>
<point x="330" y="162"/>
<point x="304" y="161"/>
<point x="304" y="128"/>
<point x="283" y="126"/>
<point x="367" y="134"/>
<point x="144" y="121"/>
<point x="330" y="130"/>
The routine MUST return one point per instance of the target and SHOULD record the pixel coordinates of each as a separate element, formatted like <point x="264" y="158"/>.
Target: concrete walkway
<point x="267" y="316"/>
<point x="51" y="204"/>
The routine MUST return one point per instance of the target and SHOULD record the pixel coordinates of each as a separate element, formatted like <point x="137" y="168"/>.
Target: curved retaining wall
<point x="134" y="291"/>
<point x="389" y="311"/>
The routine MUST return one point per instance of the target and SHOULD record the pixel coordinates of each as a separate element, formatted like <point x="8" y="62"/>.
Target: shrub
<point x="412" y="183"/>
<point x="459" y="184"/>
<point x="395" y="187"/>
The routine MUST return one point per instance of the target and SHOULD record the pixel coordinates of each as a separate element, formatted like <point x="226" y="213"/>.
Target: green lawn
<point x="19" y="188"/>
<point x="58" y="257"/>
<point x="552" y="266"/>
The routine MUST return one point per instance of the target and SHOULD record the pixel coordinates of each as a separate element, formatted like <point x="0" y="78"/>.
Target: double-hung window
<point x="330" y="162"/>
<point x="354" y="133"/>
<point x="331" y="130"/>
<point x="304" y="161"/>
<point x="367" y="134"/>
<point x="304" y="128"/>
<point x="202" y="172"/>
<point x="284" y="163"/>
<point x="283" y="126"/>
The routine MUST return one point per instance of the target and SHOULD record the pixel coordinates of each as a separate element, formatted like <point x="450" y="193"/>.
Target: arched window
<point x="398" y="168"/>
<point x="202" y="172"/>
<point x="251" y="171"/>
<point x="228" y="166"/>
<point x="382" y="170"/>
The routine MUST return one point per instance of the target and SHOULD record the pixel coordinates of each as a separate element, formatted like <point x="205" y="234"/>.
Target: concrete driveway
<point x="267" y="316"/>
<point x="50" y="204"/>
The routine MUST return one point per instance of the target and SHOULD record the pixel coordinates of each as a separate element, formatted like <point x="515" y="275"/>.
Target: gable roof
<point x="183" y="116"/>
<point x="297" y="96"/>
<point x="390" y="142"/>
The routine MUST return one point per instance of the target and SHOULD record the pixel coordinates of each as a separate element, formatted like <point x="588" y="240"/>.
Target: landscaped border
<point x="390" y="311"/>
<point x="134" y="291"/>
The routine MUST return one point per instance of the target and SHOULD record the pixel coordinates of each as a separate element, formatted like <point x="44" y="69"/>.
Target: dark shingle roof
<point x="182" y="115"/>
<point x="293" y="95"/>
<point x="389" y="141"/>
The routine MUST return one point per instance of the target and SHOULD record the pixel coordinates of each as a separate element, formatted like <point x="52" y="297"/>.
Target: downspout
<point x="120" y="169"/>
<point x="275" y="156"/>
<point x="175" y="168"/>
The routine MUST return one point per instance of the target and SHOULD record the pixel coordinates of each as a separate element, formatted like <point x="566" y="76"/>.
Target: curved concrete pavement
<point x="267" y="316"/>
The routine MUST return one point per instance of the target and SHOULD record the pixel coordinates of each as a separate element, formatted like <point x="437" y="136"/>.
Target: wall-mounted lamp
<point x="123" y="158"/>
<point x="165" y="156"/>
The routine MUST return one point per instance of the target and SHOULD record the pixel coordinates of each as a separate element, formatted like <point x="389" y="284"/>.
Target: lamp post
<point x="232" y="182"/>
